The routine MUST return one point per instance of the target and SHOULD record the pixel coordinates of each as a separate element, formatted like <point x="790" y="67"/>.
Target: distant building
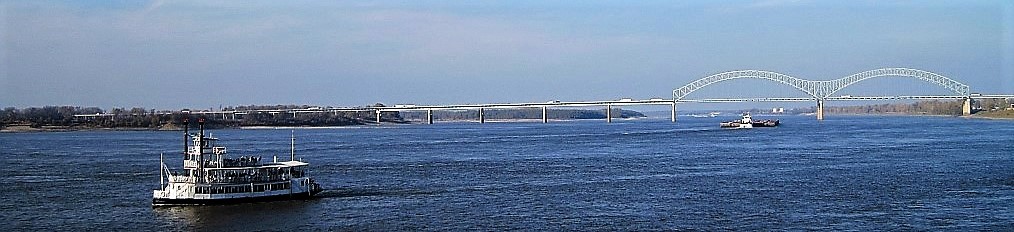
<point x="778" y="110"/>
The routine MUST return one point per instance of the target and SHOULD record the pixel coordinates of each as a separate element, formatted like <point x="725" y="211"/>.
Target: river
<point x="844" y="173"/>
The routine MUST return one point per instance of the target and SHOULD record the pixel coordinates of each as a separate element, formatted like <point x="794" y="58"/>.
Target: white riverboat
<point x="210" y="178"/>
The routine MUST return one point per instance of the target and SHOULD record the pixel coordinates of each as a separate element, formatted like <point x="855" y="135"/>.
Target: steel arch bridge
<point x="820" y="90"/>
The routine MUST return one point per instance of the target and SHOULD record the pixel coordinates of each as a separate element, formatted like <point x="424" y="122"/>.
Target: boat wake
<point x="360" y="192"/>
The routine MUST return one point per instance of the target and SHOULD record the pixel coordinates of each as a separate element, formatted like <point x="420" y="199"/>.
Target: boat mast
<point x="161" y="170"/>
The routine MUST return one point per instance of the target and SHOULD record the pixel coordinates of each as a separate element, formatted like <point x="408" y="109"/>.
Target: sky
<point x="177" y="54"/>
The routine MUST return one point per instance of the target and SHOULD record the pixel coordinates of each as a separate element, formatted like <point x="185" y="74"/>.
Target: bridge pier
<point x="482" y="115"/>
<point x="545" y="114"/>
<point x="429" y="116"/>
<point x="674" y="112"/>
<point x="378" y="117"/>
<point x="966" y="109"/>
<point x="609" y="113"/>
<point x="820" y="109"/>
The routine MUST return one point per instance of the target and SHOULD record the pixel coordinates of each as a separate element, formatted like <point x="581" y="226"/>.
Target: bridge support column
<point x="482" y="115"/>
<point x="674" y="112"/>
<point x="545" y="114"/>
<point x="378" y="117"/>
<point x="966" y="109"/>
<point x="429" y="116"/>
<point x="820" y="109"/>
<point x="609" y="113"/>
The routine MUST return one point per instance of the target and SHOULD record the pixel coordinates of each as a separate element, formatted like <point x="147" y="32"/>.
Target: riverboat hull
<point x="228" y="201"/>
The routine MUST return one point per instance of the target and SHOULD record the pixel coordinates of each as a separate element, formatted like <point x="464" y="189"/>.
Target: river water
<point x="845" y="173"/>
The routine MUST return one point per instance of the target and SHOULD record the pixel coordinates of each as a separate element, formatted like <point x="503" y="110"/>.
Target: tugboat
<point x="748" y="122"/>
<point x="745" y="123"/>
<point x="209" y="178"/>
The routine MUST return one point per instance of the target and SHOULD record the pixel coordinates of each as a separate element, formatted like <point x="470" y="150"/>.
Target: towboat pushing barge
<point x="748" y="122"/>
<point x="209" y="178"/>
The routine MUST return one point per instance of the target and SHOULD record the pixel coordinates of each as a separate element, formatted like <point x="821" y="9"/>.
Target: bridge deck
<point x="623" y="102"/>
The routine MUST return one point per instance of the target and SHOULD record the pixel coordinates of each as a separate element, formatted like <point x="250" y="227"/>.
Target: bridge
<point x="817" y="91"/>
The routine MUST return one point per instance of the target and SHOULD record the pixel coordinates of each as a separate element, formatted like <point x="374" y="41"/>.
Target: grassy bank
<point x="1002" y="114"/>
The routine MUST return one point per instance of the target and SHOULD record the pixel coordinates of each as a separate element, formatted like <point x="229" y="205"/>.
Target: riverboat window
<point x="279" y="186"/>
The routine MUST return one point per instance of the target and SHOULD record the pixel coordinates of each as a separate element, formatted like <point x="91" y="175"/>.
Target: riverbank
<point x="25" y="129"/>
<point x="999" y="114"/>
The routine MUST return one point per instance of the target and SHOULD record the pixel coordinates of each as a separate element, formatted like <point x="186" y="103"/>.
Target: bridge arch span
<point x="821" y="89"/>
<point x="806" y="86"/>
<point x="830" y="87"/>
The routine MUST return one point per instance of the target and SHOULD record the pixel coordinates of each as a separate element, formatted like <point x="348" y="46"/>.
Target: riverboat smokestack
<point x="200" y="122"/>
<point x="186" y="133"/>
<point x="200" y="147"/>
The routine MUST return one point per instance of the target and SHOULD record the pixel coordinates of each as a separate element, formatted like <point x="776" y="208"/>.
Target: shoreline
<point x="975" y="116"/>
<point x="30" y="130"/>
<point x="987" y="117"/>
<point x="899" y="115"/>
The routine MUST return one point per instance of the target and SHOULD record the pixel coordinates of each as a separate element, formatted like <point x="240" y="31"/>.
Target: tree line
<point x="934" y="107"/>
<point x="64" y="116"/>
<point x="94" y="117"/>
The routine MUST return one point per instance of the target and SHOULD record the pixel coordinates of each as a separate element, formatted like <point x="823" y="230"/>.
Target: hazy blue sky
<point x="201" y="53"/>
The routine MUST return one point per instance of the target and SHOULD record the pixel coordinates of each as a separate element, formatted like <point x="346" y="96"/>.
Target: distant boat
<point x="209" y="178"/>
<point x="709" y="115"/>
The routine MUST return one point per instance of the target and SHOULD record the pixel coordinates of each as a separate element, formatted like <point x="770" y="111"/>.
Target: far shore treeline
<point x="63" y="118"/>
<point x="935" y="107"/>
<point x="58" y="118"/>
